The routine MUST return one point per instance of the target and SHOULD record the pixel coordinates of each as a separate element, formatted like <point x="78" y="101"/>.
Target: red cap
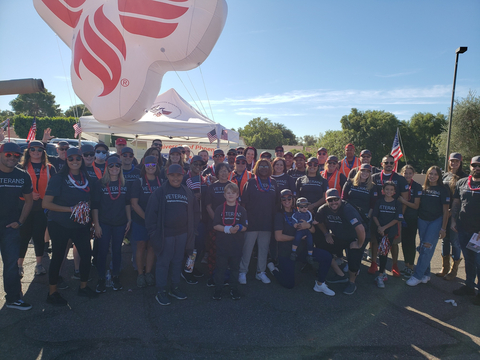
<point x="346" y="146"/>
<point x="121" y="141"/>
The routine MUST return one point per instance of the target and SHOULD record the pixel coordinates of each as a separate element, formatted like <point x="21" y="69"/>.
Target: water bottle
<point x="108" y="280"/>
<point x="190" y="262"/>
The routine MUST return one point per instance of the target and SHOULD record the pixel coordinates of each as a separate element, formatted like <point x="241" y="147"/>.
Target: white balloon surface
<point x="122" y="48"/>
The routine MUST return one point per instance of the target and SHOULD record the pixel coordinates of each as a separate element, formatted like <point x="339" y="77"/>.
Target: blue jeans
<point x="170" y="261"/>
<point x="428" y="232"/>
<point x="472" y="259"/>
<point x="116" y="234"/>
<point x="10" y="248"/>
<point x="451" y="239"/>
<point x="309" y="238"/>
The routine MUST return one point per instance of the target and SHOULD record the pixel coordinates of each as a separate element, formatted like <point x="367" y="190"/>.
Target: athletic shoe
<point x="40" y="270"/>
<point x="87" y="292"/>
<point x="149" y="279"/>
<point x="404" y="270"/>
<point x="189" y="279"/>
<point x="271" y="267"/>
<point x="217" y="295"/>
<point x="177" y="293"/>
<point x="293" y="256"/>
<point x="210" y="282"/>
<point x="408" y="273"/>
<point x="76" y="275"/>
<point x="310" y="259"/>
<point x="323" y="289"/>
<point x="20" y="271"/>
<point x="56" y="299"/>
<point x="141" y="282"/>
<point x="117" y="285"/>
<point x="350" y="289"/>
<point x="61" y="284"/>
<point x="19" y="305"/>
<point x="379" y="282"/>
<point x="226" y="283"/>
<point x="385" y="277"/>
<point x="336" y="279"/>
<point x="101" y="288"/>
<point x="162" y="298"/>
<point x="235" y="294"/>
<point x="126" y="241"/>
<point x="373" y="268"/>
<point x="395" y="270"/>
<point x="263" y="278"/>
<point x="197" y="273"/>
<point x="413" y="281"/>
<point x="464" y="290"/>
<point x="242" y="278"/>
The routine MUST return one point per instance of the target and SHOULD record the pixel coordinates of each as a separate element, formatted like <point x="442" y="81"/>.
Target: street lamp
<point x="460" y="50"/>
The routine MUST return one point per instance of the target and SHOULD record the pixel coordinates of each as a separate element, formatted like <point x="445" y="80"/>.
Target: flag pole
<point x="401" y="144"/>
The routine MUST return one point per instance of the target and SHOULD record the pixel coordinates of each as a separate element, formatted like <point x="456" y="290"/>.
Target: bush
<point x="62" y="127"/>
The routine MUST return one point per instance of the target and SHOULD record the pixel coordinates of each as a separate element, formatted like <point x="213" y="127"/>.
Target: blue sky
<point x="301" y="63"/>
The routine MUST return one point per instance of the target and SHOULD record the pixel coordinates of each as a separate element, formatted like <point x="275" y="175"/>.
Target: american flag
<point x="33" y="131"/>
<point x="78" y="129"/>
<point x="224" y="135"/>
<point x="194" y="183"/>
<point x="396" y="149"/>
<point x="212" y="136"/>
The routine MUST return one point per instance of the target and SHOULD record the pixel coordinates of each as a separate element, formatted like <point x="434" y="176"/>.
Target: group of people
<point x="180" y="212"/>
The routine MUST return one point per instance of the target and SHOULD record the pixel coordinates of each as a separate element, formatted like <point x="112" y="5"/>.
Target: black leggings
<point x="60" y="235"/>
<point x="34" y="226"/>
<point x="409" y="235"/>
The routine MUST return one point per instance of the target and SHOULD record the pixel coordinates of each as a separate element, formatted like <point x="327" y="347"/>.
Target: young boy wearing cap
<point x="302" y="214"/>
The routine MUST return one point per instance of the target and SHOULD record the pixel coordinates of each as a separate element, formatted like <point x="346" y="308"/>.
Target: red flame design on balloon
<point x="68" y="16"/>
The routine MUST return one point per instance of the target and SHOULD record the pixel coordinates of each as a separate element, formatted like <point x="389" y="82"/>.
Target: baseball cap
<point x="175" y="169"/>
<point x="232" y="151"/>
<point x="279" y="148"/>
<point x="285" y="192"/>
<point x="365" y="152"/>
<point x="113" y="160"/>
<point x="218" y="152"/>
<point x="332" y="158"/>
<point x="101" y="145"/>
<point x="241" y="157"/>
<point x="196" y="158"/>
<point x="265" y="154"/>
<point x="455" y="156"/>
<point x="299" y="155"/>
<point x="87" y="148"/>
<point x="288" y="153"/>
<point x="302" y="201"/>
<point x="349" y="144"/>
<point x="74" y="151"/>
<point x="150" y="159"/>
<point x="10" y="147"/>
<point x="175" y="150"/>
<point x="240" y="147"/>
<point x="63" y="143"/>
<point x="322" y="149"/>
<point x="475" y="160"/>
<point x="121" y="141"/>
<point x="35" y="143"/>
<point x="127" y="149"/>
<point x="332" y="194"/>
<point x="312" y="159"/>
<point x="365" y="167"/>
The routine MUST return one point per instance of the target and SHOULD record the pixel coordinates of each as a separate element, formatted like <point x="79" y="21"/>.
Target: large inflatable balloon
<point x="122" y="48"/>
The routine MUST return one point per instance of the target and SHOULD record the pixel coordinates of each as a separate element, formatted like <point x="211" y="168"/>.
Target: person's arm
<point x="360" y="230"/>
<point x="96" y="222"/>
<point x="317" y="204"/>
<point x="326" y="233"/>
<point x="404" y="196"/>
<point x="454" y="212"/>
<point x="415" y="205"/>
<point x="47" y="203"/>
<point x="128" y="210"/>
<point x="443" y="230"/>
<point x="137" y="208"/>
<point x="281" y="237"/>
<point x="381" y="229"/>
<point x="27" y="207"/>
<point x="210" y="211"/>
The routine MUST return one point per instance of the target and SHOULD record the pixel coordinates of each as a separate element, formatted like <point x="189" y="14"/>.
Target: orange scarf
<point x="98" y="172"/>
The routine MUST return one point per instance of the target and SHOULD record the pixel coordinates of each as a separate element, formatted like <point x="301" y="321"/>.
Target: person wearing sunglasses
<point x="158" y="144"/>
<point x="67" y="198"/>
<point x="279" y="152"/>
<point x="153" y="151"/>
<point x="240" y="150"/>
<point x="240" y="175"/>
<point x="465" y="210"/>
<point x="322" y="156"/>
<point x="88" y="153"/>
<point x="210" y="171"/>
<point x="129" y="169"/>
<point x="142" y="188"/>
<point x="285" y="232"/>
<point x="365" y="158"/>
<point x="266" y="155"/>
<point x="14" y="183"/>
<point x="350" y="161"/>
<point x="260" y="200"/>
<point x="299" y="169"/>
<point x="336" y="180"/>
<point x="231" y="155"/>
<point x="401" y="189"/>
<point x="312" y="186"/>
<point x="111" y="214"/>
<point x="35" y="162"/>
<point x="342" y="226"/>
<point x="59" y="161"/>
<point x="120" y="144"/>
<point x="101" y="154"/>
<point x="187" y="154"/>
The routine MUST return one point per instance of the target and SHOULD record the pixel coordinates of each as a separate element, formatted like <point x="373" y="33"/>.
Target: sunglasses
<point x="475" y="165"/>
<point x="150" y="165"/>
<point x="127" y="155"/>
<point x="286" y="198"/>
<point x="263" y="166"/>
<point x="332" y="200"/>
<point x="239" y="152"/>
<point x="63" y="149"/>
<point x="231" y="154"/>
<point x="114" y="165"/>
<point x="332" y="163"/>
<point x="241" y="162"/>
<point x="183" y="152"/>
<point x="36" y="149"/>
<point x="322" y="153"/>
<point x="157" y="144"/>
<point x="302" y="206"/>
<point x="218" y="155"/>
<point x="197" y="164"/>
<point x="74" y="158"/>
<point x="312" y="164"/>
<point x="101" y="151"/>
<point x="369" y="156"/>
<point x="365" y="170"/>
<point x="389" y="162"/>
<point x="266" y="157"/>
<point x="89" y="154"/>
<point x="11" y="154"/>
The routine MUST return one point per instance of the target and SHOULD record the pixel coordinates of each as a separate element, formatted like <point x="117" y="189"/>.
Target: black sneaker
<point x="117" y="285"/>
<point x="337" y="279"/>
<point x="19" y="305"/>
<point x="464" y="290"/>
<point x="310" y="259"/>
<point x="235" y="294"/>
<point x="226" y="283"/>
<point x="293" y="256"/>
<point x="56" y="299"/>
<point x="197" y="273"/>
<point x="61" y="284"/>
<point x="76" y="275"/>
<point x="217" y="295"/>
<point x="189" y="279"/>
<point x="162" y="298"/>
<point x="87" y="292"/>
<point x="101" y="288"/>
<point x="177" y="293"/>
<point x="211" y="282"/>
<point x="350" y="289"/>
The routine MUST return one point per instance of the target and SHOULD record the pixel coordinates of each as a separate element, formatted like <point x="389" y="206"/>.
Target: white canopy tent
<point x="170" y="118"/>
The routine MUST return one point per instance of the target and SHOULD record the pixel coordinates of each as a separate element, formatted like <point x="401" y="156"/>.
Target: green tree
<point x="334" y="141"/>
<point x="77" y="111"/>
<point x="38" y="104"/>
<point x="289" y="137"/>
<point x="465" y="134"/>
<point x="263" y="134"/>
<point x="309" y="140"/>
<point x="6" y="114"/>
<point x="61" y="127"/>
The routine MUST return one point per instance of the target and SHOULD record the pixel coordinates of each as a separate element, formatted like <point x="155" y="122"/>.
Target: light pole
<point x="460" y="50"/>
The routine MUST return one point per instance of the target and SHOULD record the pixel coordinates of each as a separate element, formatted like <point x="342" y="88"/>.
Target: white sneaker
<point x="323" y="289"/>
<point x="242" y="278"/>
<point x="425" y="279"/>
<point x="379" y="281"/>
<point x="271" y="267"/>
<point x="263" y="277"/>
<point x="413" y="281"/>
<point x="40" y="270"/>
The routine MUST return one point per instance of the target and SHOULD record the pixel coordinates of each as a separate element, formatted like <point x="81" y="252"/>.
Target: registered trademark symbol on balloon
<point x="125" y="82"/>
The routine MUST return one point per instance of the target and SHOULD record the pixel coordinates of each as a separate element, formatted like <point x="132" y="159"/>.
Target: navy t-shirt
<point x="176" y="211"/>
<point x="12" y="186"/>
<point x="142" y="191"/>
<point x="400" y="182"/>
<point x="285" y="181"/>
<point x="231" y="244"/>
<point x="37" y="168"/>
<point x="415" y="191"/>
<point x="360" y="196"/>
<point x="260" y="201"/>
<point x="432" y="201"/>
<point x="295" y="174"/>
<point x="387" y="211"/>
<point x="312" y="188"/>
<point x="468" y="192"/>
<point x="111" y="209"/>
<point x="131" y="175"/>
<point x="215" y="194"/>
<point x="341" y="223"/>
<point x="284" y="222"/>
<point x="56" y="161"/>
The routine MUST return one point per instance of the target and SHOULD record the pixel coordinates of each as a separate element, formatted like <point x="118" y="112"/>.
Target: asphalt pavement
<point x="269" y="322"/>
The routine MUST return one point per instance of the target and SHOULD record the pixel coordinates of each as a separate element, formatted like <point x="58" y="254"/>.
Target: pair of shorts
<point x="139" y="232"/>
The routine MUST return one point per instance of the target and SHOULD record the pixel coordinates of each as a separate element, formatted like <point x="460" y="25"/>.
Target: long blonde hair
<point x="106" y="177"/>
<point x="357" y="180"/>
